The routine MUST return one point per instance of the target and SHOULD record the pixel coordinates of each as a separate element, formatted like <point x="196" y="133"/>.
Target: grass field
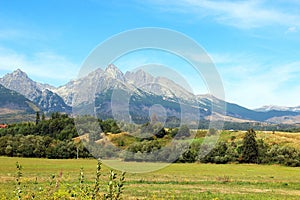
<point x="177" y="181"/>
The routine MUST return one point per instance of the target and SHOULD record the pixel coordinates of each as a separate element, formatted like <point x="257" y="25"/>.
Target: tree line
<point x="249" y="150"/>
<point x="53" y="137"/>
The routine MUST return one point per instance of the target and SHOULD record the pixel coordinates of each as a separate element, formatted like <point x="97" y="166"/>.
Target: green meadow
<point x="175" y="181"/>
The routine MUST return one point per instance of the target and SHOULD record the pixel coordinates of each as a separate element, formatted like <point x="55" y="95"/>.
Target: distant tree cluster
<point x="252" y="150"/>
<point x="50" y="138"/>
<point x="249" y="150"/>
<point x="47" y="138"/>
<point x="204" y="124"/>
<point x="40" y="147"/>
<point x="58" y="126"/>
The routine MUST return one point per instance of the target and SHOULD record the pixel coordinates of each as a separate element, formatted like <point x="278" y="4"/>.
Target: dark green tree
<point x="159" y="130"/>
<point x="109" y="125"/>
<point x="183" y="131"/>
<point x="43" y="117"/>
<point x="147" y="131"/>
<point x="250" y="148"/>
<point x="212" y="131"/>
<point x="37" y="118"/>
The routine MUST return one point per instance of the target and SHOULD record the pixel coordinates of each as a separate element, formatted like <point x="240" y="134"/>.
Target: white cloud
<point x="254" y="85"/>
<point x="292" y="29"/>
<point x="241" y="14"/>
<point x="19" y="35"/>
<point x="45" y="66"/>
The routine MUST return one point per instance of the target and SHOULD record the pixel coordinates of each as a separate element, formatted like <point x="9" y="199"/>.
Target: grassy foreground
<point x="177" y="181"/>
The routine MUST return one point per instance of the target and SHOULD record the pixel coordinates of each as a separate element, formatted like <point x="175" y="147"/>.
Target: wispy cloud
<point x="19" y="34"/>
<point x="45" y="66"/>
<point x="253" y="84"/>
<point x="292" y="29"/>
<point x="241" y="14"/>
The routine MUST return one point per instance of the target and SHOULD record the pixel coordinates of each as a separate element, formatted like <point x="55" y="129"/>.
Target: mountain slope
<point x="244" y="113"/>
<point x="39" y="93"/>
<point x="14" y="106"/>
<point x="239" y="112"/>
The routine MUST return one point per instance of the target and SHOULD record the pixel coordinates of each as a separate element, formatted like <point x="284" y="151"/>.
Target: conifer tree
<point x="250" y="147"/>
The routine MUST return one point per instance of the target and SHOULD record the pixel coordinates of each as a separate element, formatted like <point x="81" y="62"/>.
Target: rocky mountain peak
<point x="17" y="74"/>
<point x="20" y="82"/>
<point x="139" y="77"/>
<point x="112" y="71"/>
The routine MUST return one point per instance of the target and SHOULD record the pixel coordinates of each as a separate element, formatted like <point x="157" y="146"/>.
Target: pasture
<point x="176" y="181"/>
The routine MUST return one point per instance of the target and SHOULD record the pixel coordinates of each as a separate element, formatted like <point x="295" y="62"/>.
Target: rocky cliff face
<point x="158" y="85"/>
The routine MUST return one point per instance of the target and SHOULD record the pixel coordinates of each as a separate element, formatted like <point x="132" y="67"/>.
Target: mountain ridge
<point x="141" y="89"/>
<point x="278" y="108"/>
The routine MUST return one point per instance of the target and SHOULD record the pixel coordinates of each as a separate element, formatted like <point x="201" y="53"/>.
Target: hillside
<point x="15" y="107"/>
<point x="269" y="137"/>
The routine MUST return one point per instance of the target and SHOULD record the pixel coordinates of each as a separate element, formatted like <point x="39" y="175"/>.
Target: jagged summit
<point x="159" y="85"/>
<point x="112" y="67"/>
<point x="114" y="72"/>
<point x="19" y="72"/>
<point x="139" y="77"/>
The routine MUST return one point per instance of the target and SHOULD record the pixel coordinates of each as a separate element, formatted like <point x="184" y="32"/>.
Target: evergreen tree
<point x="43" y="117"/>
<point x="37" y="118"/>
<point x="183" y="131"/>
<point x="250" y="148"/>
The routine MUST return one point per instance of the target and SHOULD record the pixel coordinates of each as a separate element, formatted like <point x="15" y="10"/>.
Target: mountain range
<point x="111" y="93"/>
<point x="279" y="108"/>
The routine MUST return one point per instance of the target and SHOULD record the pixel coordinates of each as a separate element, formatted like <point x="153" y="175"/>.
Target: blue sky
<point x="255" y="45"/>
